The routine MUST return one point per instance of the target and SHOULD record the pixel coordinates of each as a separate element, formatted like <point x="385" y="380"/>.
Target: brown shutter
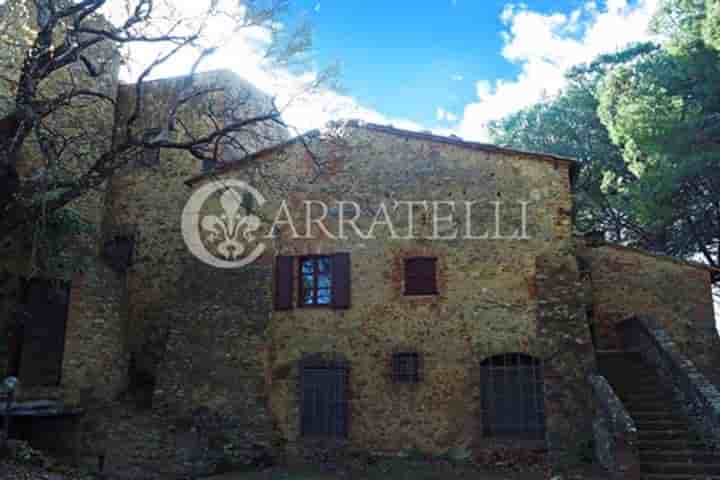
<point x="283" y="282"/>
<point x="420" y="276"/>
<point x="45" y="313"/>
<point x="341" y="280"/>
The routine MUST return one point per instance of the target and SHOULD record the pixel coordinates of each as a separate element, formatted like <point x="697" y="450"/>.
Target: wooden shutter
<point x="341" y="280"/>
<point x="283" y="282"/>
<point x="44" y="316"/>
<point x="420" y="276"/>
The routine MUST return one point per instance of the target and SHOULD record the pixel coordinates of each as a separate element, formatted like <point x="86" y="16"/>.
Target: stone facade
<point x="95" y="334"/>
<point x="494" y="296"/>
<point x="221" y="369"/>
<point x="625" y="282"/>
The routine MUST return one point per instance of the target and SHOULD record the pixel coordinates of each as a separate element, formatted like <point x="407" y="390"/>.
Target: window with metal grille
<point x="420" y="276"/>
<point x="406" y="367"/>
<point x="315" y="281"/>
<point x="323" y="404"/>
<point x="512" y="396"/>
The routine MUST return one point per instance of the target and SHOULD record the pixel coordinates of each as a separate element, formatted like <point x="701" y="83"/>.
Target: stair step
<point x="662" y="415"/>
<point x="650" y="402"/>
<point x="679" y="477"/>
<point x="626" y="376"/>
<point x="696" y="456"/>
<point x="648" y="406"/>
<point x="640" y="390"/>
<point x="668" y="448"/>
<point x="669" y="444"/>
<point x="644" y="426"/>
<point x="659" y="429"/>
<point x="680" y="467"/>
<point x="644" y="395"/>
<point x="663" y="434"/>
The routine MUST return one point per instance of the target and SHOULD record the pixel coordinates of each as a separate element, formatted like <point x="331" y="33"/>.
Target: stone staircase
<point x="668" y="446"/>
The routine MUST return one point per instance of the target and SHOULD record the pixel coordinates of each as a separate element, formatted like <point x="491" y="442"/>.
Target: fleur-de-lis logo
<point x="224" y="230"/>
<point x="223" y="238"/>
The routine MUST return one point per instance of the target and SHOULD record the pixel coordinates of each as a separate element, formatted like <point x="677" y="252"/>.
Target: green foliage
<point x="53" y="236"/>
<point x="645" y="125"/>
<point x="687" y="22"/>
<point x="569" y="125"/>
<point x="663" y="113"/>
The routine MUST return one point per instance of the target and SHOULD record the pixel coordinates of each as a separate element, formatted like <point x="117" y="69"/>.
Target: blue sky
<point x="450" y="66"/>
<point x="404" y="58"/>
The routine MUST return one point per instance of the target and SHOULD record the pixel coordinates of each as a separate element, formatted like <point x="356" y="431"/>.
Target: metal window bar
<point x="406" y="367"/>
<point x="512" y="397"/>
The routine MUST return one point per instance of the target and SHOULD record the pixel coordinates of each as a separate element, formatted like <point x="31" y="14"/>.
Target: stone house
<point x="467" y="325"/>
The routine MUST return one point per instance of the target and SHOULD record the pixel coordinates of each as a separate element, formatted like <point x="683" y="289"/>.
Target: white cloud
<point x="546" y="45"/>
<point x="304" y="105"/>
<point x="443" y="115"/>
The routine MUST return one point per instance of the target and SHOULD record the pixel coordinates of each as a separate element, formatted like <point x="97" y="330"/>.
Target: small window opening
<point x="420" y="276"/>
<point x="406" y="367"/>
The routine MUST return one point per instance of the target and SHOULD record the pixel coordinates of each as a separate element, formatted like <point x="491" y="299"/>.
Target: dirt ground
<point x="411" y="470"/>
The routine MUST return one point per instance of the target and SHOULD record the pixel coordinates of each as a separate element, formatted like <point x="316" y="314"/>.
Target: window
<point x="315" y="281"/>
<point x="118" y="252"/>
<point x="322" y="280"/>
<point x="420" y="276"/>
<point x="323" y="402"/>
<point x="406" y="367"/>
<point x="512" y="397"/>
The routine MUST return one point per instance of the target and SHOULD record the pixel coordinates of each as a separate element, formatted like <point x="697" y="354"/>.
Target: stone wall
<point x="495" y="296"/>
<point x="94" y="360"/>
<point x="146" y="200"/>
<point x="627" y="282"/>
<point x="614" y="432"/>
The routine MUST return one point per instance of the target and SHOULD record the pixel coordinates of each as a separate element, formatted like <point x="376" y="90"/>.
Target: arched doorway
<point x="512" y="397"/>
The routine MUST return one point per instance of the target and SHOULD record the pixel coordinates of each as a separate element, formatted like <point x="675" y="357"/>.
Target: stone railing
<point x="614" y="432"/>
<point x="698" y="396"/>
